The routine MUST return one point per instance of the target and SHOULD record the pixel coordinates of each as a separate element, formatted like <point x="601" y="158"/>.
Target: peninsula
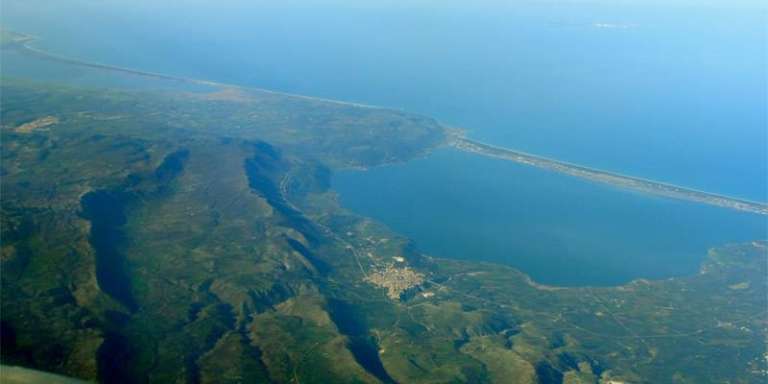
<point x="622" y="181"/>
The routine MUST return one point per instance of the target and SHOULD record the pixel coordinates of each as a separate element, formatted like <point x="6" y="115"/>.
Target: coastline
<point x="619" y="180"/>
<point x="22" y="44"/>
<point x="454" y="137"/>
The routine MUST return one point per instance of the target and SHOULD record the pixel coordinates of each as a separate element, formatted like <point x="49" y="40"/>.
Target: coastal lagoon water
<point x="559" y="229"/>
<point x="670" y="91"/>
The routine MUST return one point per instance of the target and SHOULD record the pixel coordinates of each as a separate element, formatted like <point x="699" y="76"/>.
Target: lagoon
<point x="559" y="229"/>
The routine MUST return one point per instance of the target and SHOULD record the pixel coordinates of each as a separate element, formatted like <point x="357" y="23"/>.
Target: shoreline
<point x="22" y="45"/>
<point x="605" y="177"/>
<point x="456" y="139"/>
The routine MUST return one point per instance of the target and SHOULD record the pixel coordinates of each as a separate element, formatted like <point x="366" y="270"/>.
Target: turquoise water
<point x="672" y="91"/>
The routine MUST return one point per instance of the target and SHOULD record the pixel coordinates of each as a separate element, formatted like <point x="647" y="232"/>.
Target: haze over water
<point x="670" y="92"/>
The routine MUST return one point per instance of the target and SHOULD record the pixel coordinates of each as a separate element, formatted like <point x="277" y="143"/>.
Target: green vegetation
<point x="193" y="237"/>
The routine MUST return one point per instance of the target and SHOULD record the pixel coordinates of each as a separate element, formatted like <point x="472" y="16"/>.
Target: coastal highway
<point x="618" y="180"/>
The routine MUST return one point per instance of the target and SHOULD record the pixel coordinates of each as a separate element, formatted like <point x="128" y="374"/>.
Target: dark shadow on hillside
<point x="351" y="324"/>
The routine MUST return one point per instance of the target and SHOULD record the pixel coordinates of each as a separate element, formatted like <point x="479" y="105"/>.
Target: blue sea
<point x="672" y="91"/>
